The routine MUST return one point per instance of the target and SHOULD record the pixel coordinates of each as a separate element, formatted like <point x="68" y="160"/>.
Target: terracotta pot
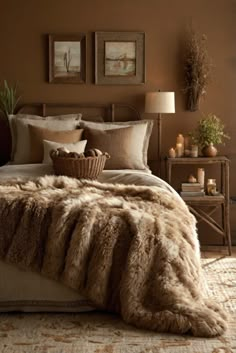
<point x="209" y="151"/>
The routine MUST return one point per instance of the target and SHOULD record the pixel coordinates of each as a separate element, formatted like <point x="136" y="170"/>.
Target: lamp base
<point x="159" y="132"/>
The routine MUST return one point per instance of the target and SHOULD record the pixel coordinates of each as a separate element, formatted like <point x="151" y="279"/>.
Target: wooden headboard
<point x="109" y="112"/>
<point x="92" y="112"/>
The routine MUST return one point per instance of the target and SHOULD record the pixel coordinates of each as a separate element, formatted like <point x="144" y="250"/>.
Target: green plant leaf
<point x="8" y="98"/>
<point x="210" y="129"/>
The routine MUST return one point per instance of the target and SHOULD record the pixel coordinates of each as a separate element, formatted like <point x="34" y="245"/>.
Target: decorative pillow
<point x="144" y="128"/>
<point x="20" y="134"/>
<point x="78" y="147"/>
<point x="122" y="144"/>
<point x="38" y="134"/>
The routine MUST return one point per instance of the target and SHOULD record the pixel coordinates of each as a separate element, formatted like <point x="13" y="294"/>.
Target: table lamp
<point x="159" y="103"/>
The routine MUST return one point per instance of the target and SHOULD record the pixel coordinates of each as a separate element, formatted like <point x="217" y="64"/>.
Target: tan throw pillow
<point x="144" y="131"/>
<point x="78" y="147"/>
<point x="38" y="134"/>
<point x="123" y="145"/>
<point x="20" y="132"/>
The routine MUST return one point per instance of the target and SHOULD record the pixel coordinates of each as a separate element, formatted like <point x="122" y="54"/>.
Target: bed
<point x="28" y="291"/>
<point x="151" y="209"/>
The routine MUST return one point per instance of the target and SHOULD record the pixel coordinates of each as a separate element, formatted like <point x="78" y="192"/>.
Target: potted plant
<point x="209" y="132"/>
<point x="8" y="99"/>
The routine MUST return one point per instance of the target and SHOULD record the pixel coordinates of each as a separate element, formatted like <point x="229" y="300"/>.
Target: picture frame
<point x="119" y="58"/>
<point x="67" y="58"/>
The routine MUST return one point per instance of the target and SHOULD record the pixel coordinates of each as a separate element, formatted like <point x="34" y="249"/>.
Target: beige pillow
<point x="38" y="134"/>
<point x="144" y="128"/>
<point x="78" y="147"/>
<point x="122" y="144"/>
<point x="20" y="133"/>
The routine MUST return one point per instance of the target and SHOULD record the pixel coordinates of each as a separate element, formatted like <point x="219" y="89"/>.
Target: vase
<point x="193" y="99"/>
<point x="209" y="151"/>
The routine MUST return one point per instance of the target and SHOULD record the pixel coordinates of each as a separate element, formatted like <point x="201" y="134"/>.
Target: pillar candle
<point x="179" y="150"/>
<point x="180" y="140"/>
<point x="201" y="177"/>
<point x="172" y="152"/>
<point x="194" y="151"/>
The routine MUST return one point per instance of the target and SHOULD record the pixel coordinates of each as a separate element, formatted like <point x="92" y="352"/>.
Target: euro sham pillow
<point x="20" y="135"/>
<point x="122" y="144"/>
<point x="144" y="127"/>
<point x="38" y="134"/>
<point x="78" y="147"/>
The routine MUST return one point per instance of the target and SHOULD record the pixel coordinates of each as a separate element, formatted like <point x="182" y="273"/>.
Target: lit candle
<point x="201" y="176"/>
<point x="172" y="152"/>
<point x="211" y="187"/>
<point x="179" y="150"/>
<point x="180" y="139"/>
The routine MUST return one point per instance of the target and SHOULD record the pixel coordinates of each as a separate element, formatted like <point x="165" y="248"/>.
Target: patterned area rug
<point x="102" y="333"/>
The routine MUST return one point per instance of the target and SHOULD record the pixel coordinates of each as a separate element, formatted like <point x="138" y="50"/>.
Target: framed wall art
<point x="67" y="58"/>
<point x="119" y="58"/>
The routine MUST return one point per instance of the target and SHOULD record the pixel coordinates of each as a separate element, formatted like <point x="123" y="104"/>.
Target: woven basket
<point x="80" y="168"/>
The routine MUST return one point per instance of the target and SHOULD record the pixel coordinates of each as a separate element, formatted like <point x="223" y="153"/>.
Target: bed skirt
<point x="29" y="292"/>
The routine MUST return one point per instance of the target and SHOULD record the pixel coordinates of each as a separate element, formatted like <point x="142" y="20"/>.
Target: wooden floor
<point x="216" y="251"/>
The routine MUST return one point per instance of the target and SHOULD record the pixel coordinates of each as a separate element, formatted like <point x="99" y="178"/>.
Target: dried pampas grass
<point x="197" y="68"/>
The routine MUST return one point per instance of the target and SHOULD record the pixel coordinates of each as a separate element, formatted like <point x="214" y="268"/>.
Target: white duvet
<point x="124" y="176"/>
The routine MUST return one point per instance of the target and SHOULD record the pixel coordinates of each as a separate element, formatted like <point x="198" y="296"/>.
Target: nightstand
<point x="203" y="207"/>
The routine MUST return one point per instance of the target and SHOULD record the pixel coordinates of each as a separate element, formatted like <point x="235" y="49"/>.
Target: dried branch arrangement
<point x="197" y="68"/>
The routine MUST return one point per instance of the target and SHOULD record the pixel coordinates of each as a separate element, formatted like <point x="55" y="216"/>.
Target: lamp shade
<point x="160" y="102"/>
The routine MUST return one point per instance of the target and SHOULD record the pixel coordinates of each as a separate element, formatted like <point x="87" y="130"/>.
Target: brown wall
<point x="24" y="27"/>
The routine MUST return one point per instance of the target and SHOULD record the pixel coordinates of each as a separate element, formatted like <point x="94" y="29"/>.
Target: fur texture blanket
<point x="132" y="250"/>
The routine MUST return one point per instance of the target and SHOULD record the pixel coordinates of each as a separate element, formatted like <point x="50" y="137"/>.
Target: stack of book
<point x="191" y="189"/>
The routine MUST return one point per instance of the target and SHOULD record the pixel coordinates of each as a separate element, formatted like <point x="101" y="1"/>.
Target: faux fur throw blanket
<point x="130" y="249"/>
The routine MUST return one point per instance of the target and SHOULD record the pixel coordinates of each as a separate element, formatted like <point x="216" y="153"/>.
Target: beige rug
<point x="102" y="333"/>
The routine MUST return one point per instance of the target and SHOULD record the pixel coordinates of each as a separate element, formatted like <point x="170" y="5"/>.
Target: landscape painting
<point x="120" y="58"/>
<point x="67" y="58"/>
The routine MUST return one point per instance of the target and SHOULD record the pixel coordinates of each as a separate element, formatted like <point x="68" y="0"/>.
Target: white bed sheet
<point x="26" y="291"/>
<point x="122" y="176"/>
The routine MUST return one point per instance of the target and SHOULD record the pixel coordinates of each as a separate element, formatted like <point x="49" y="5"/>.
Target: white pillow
<point x="78" y="147"/>
<point x="20" y="132"/>
<point x="144" y="131"/>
